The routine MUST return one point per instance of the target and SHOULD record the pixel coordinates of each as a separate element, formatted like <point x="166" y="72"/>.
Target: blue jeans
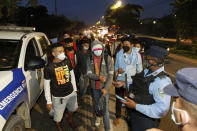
<point x="97" y="94"/>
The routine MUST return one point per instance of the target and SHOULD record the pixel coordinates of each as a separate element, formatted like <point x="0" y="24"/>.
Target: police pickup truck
<point x="22" y="60"/>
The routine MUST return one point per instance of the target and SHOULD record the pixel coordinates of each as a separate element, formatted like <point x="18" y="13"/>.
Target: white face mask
<point x="98" y="52"/>
<point x="85" y="48"/>
<point x="173" y="116"/>
<point x="138" y="49"/>
<point x="61" y="56"/>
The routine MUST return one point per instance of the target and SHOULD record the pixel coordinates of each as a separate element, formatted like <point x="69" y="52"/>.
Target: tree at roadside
<point x="185" y="14"/>
<point x="7" y="9"/>
<point x="125" y="17"/>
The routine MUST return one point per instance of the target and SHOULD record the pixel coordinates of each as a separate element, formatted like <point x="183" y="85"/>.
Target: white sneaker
<point x="98" y="121"/>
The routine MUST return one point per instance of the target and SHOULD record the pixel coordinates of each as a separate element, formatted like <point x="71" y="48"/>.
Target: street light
<point x="154" y="22"/>
<point x="98" y="23"/>
<point x="117" y="5"/>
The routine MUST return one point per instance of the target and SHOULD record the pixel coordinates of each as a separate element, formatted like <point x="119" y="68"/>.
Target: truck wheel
<point x="15" y="123"/>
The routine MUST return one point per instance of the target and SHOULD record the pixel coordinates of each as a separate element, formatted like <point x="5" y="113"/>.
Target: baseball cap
<point x="157" y="51"/>
<point x="186" y="85"/>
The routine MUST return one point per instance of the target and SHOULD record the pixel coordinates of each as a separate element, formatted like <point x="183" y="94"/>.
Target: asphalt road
<point x="84" y="117"/>
<point x="176" y="62"/>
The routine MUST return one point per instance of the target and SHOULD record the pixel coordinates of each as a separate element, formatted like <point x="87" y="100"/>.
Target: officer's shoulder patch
<point x="161" y="92"/>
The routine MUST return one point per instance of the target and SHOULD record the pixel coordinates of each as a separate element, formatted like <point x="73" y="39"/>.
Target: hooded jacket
<point x="107" y="69"/>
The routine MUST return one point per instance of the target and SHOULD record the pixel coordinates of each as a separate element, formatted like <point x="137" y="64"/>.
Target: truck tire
<point x="15" y="123"/>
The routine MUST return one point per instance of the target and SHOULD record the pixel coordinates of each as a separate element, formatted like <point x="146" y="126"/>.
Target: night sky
<point x="90" y="11"/>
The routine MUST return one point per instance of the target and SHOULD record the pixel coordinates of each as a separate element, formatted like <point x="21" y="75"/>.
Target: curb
<point x="182" y="58"/>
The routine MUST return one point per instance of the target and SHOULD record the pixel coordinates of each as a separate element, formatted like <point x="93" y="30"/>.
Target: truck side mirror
<point x="34" y="63"/>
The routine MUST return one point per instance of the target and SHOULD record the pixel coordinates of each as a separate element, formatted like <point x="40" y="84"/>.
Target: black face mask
<point x="148" y="65"/>
<point x="126" y="48"/>
<point x="70" y="48"/>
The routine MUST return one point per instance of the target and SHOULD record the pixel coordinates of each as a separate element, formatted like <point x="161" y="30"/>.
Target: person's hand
<point x="130" y="103"/>
<point x="118" y="84"/>
<point x="153" y="129"/>
<point x="49" y="107"/>
<point x="104" y="91"/>
<point x="102" y="78"/>
<point x="120" y="71"/>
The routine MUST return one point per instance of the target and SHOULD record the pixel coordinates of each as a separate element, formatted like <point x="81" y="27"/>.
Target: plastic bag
<point x="101" y="107"/>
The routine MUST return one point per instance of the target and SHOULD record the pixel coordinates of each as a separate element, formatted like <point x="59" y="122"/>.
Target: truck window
<point x="9" y="54"/>
<point x="43" y="42"/>
<point x="31" y="51"/>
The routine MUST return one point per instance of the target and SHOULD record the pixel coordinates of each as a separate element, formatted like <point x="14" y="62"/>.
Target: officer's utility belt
<point x="144" y="116"/>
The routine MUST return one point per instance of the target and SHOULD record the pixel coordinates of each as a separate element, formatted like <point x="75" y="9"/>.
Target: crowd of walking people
<point x="117" y="61"/>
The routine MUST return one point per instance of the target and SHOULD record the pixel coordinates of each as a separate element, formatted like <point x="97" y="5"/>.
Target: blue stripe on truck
<point x="13" y="94"/>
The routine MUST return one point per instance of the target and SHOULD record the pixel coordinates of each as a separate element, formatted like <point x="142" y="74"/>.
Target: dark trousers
<point x="140" y="122"/>
<point x="121" y="92"/>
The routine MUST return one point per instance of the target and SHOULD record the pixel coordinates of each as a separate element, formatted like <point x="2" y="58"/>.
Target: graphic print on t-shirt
<point x="62" y="74"/>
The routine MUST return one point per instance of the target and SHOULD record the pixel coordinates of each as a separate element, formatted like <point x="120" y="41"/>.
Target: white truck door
<point x="33" y="77"/>
<point x="43" y="44"/>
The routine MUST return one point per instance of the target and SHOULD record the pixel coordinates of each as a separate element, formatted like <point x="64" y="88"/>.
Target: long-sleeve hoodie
<point x="106" y="70"/>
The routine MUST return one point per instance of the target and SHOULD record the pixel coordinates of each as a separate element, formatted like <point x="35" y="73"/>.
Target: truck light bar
<point x="17" y="28"/>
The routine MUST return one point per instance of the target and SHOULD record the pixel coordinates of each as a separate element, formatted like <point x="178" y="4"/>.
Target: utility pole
<point x="55" y="7"/>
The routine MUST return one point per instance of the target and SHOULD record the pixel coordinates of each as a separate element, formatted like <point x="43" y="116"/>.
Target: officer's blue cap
<point x="157" y="51"/>
<point x="186" y="85"/>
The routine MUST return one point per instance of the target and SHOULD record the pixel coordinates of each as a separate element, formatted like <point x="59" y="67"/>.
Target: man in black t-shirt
<point x="60" y="85"/>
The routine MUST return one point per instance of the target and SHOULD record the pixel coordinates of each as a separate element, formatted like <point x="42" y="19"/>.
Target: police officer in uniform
<point x="146" y="100"/>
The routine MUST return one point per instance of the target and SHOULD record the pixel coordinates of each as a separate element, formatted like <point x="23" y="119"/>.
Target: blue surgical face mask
<point x="98" y="52"/>
<point x="174" y="118"/>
